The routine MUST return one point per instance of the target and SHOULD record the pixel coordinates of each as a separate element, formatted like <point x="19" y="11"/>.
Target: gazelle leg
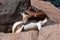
<point x="19" y="29"/>
<point x="39" y="25"/>
<point x="44" y="21"/>
<point x="15" y="25"/>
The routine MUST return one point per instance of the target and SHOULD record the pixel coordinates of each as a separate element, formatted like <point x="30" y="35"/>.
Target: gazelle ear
<point x="22" y="13"/>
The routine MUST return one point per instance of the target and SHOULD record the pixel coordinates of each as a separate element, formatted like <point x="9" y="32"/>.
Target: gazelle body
<point x="30" y="26"/>
<point x="18" y="26"/>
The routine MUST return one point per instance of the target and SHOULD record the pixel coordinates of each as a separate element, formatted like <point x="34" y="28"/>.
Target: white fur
<point x="29" y="26"/>
<point x="33" y="25"/>
<point x="39" y="24"/>
<point x="19" y="29"/>
<point x="14" y="26"/>
<point x="44" y="21"/>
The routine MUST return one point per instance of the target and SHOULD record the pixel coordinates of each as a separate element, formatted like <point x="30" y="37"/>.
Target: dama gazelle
<point x="18" y="26"/>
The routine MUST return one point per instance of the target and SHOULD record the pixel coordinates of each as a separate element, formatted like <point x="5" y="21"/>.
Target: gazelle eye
<point x="26" y="13"/>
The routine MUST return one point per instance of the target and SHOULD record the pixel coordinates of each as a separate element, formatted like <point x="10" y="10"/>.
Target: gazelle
<point x="18" y="26"/>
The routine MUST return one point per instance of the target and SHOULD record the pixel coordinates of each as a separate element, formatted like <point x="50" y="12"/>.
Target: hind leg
<point x="39" y="24"/>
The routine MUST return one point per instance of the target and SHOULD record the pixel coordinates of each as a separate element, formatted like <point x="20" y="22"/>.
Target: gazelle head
<point x="25" y="17"/>
<point x="18" y="25"/>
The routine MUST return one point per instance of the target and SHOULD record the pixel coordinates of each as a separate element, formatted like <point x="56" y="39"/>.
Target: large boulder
<point x="7" y="14"/>
<point x="50" y="10"/>
<point x="31" y="35"/>
<point x="7" y="9"/>
<point x="51" y="32"/>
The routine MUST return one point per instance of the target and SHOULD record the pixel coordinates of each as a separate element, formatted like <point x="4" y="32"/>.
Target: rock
<point x="2" y="28"/>
<point x="50" y="10"/>
<point x="8" y="6"/>
<point x="46" y="33"/>
<point x="7" y="28"/>
<point x="7" y="9"/>
<point x="2" y="2"/>
<point x="50" y="32"/>
<point x="54" y="35"/>
<point x="7" y="14"/>
<point x="31" y="35"/>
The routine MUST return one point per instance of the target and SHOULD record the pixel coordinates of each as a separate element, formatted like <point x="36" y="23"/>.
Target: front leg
<point x="19" y="29"/>
<point x="39" y="24"/>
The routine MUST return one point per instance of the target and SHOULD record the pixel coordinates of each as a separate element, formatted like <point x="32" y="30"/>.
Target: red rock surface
<point x="50" y="10"/>
<point x="51" y="32"/>
<point x="7" y="15"/>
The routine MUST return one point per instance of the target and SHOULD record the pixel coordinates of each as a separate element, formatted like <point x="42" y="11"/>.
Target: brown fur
<point x="18" y="26"/>
<point x="35" y="13"/>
